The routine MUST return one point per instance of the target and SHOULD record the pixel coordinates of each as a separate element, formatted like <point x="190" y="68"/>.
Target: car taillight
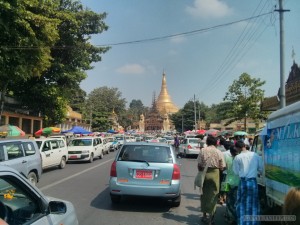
<point x="113" y="169"/>
<point x="176" y="172"/>
<point x="189" y="147"/>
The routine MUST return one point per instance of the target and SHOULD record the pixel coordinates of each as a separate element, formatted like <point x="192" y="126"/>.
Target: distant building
<point x="27" y="120"/>
<point x="292" y="91"/>
<point x="157" y="120"/>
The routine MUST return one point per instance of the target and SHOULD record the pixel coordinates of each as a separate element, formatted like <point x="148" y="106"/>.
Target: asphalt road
<point x="86" y="186"/>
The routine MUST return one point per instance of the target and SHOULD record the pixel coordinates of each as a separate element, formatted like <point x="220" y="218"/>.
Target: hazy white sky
<point x="201" y="45"/>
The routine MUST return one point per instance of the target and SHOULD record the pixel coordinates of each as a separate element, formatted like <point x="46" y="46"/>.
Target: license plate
<point x="143" y="174"/>
<point x="73" y="156"/>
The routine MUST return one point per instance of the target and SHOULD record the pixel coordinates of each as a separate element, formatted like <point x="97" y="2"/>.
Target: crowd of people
<point x="231" y="179"/>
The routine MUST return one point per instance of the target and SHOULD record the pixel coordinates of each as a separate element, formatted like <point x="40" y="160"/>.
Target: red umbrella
<point x="213" y="132"/>
<point x="201" y="131"/>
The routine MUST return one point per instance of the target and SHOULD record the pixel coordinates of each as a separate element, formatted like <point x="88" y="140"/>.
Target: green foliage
<point x="45" y="45"/>
<point x="101" y="102"/>
<point x="245" y="96"/>
<point x="136" y="108"/>
<point x="185" y="117"/>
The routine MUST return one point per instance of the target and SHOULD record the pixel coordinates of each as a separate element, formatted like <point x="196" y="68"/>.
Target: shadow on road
<point x="130" y="204"/>
<point x="190" y="219"/>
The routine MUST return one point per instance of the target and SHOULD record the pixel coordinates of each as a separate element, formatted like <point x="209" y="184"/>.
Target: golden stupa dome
<point x="164" y="103"/>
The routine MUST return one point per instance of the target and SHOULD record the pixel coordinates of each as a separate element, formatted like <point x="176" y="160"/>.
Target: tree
<point x="71" y="55"/>
<point x="136" y="108"/>
<point x="184" y="119"/>
<point x="100" y="104"/>
<point x="28" y="32"/>
<point x="245" y="96"/>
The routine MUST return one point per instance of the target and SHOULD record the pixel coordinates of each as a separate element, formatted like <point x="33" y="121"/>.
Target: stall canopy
<point x="77" y="130"/>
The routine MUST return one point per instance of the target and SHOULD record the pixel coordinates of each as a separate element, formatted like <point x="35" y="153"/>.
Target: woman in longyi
<point x="215" y="159"/>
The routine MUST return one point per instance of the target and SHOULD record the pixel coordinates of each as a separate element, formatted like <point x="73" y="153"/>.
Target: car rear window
<point x="158" y="154"/>
<point x="194" y="141"/>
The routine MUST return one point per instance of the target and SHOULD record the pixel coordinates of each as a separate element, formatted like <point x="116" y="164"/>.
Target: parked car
<point x="22" y="203"/>
<point x="106" y="144"/>
<point x="24" y="156"/>
<point x="113" y="144"/>
<point x="190" y="146"/>
<point x="145" y="169"/>
<point x="85" y="149"/>
<point x="170" y="139"/>
<point x="54" y="152"/>
<point x="120" y="139"/>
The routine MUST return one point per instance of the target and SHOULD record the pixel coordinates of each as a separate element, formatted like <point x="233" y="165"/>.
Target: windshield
<point x="120" y="138"/>
<point x="81" y="142"/>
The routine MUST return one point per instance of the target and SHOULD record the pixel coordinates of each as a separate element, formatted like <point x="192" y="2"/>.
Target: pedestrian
<point x="246" y="165"/>
<point x="221" y="147"/>
<point x="214" y="158"/>
<point x="291" y="206"/>
<point x="176" y="141"/>
<point x="233" y="181"/>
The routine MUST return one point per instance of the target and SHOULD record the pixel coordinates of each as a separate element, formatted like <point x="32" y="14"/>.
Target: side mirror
<point x="56" y="207"/>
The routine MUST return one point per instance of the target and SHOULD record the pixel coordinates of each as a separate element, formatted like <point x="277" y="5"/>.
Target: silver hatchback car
<point x="146" y="169"/>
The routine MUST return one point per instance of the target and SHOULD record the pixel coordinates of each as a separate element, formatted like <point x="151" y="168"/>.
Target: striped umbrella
<point x="11" y="130"/>
<point x="47" y="131"/>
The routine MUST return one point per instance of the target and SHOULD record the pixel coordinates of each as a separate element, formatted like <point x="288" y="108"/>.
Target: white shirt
<point x="247" y="164"/>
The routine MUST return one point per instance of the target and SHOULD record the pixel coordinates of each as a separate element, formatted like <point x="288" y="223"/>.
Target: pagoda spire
<point x="164" y="102"/>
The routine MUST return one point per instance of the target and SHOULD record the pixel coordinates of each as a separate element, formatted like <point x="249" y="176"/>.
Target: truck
<point x="278" y="143"/>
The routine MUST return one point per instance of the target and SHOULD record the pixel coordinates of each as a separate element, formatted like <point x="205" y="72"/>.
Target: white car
<point x="189" y="146"/>
<point x="22" y="203"/>
<point x="85" y="149"/>
<point x="107" y="142"/>
<point x="54" y="152"/>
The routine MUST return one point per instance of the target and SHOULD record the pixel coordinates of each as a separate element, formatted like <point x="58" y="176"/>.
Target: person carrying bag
<point x="199" y="179"/>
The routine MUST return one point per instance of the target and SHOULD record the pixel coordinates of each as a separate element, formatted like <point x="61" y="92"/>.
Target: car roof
<point x="146" y="144"/>
<point x="16" y="140"/>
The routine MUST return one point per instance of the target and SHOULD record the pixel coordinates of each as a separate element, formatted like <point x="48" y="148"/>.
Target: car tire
<point x="184" y="153"/>
<point x="91" y="158"/>
<point x="115" y="199"/>
<point x="63" y="162"/>
<point x="176" y="201"/>
<point x="101" y="155"/>
<point x="32" y="178"/>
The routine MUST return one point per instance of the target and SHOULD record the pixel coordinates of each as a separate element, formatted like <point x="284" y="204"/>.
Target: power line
<point x="193" y="32"/>
<point x="236" y="53"/>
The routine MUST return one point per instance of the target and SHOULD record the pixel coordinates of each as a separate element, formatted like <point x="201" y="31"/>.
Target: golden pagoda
<point x="164" y="103"/>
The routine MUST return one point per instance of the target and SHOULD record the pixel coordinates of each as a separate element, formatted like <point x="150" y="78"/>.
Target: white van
<point x="278" y="144"/>
<point x="54" y="152"/>
<point x="85" y="149"/>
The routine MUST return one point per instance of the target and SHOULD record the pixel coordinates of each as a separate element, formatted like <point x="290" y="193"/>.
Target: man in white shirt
<point x="246" y="165"/>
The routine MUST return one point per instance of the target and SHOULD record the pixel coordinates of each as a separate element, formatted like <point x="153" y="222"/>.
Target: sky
<point x="201" y="45"/>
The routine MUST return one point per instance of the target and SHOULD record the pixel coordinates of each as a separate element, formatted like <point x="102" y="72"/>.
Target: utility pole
<point x="282" y="76"/>
<point x="195" y="113"/>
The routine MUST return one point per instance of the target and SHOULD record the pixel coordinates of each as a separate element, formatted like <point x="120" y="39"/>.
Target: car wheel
<point x="176" y="201"/>
<point x="115" y="198"/>
<point x="62" y="162"/>
<point x="184" y="153"/>
<point x="101" y="155"/>
<point x="32" y="178"/>
<point x="91" y="158"/>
